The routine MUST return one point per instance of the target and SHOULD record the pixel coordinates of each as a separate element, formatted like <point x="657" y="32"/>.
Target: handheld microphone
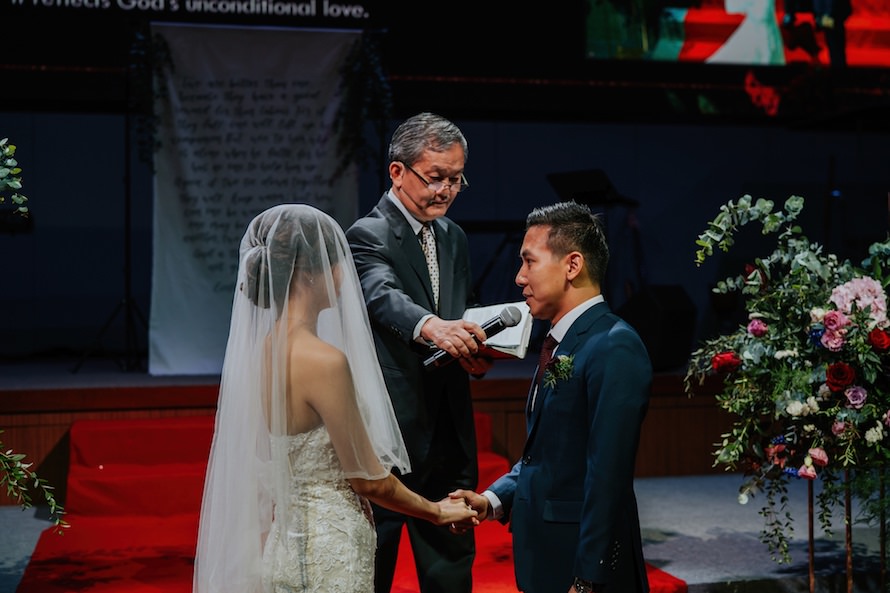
<point x="509" y="317"/>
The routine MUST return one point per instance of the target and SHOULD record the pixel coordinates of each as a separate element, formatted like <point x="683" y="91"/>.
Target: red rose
<point x="839" y="376"/>
<point x="879" y="339"/>
<point x="726" y="362"/>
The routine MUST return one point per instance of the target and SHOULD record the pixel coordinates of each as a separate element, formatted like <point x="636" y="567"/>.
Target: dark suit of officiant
<point x="566" y="513"/>
<point x="434" y="408"/>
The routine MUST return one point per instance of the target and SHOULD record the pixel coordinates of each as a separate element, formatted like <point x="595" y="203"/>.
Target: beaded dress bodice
<point x="326" y="542"/>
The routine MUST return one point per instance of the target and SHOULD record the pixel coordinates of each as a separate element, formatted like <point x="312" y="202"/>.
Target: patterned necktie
<point x="547" y="349"/>
<point x="428" y="242"/>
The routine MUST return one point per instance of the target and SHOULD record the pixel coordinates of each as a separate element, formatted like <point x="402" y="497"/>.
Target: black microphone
<point x="509" y="317"/>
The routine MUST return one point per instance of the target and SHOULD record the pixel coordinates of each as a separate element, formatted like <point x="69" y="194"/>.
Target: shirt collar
<point x="559" y="330"/>
<point x="416" y="225"/>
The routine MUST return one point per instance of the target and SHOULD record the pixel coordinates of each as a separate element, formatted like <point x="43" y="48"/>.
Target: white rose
<point x="874" y="435"/>
<point x="795" y="408"/>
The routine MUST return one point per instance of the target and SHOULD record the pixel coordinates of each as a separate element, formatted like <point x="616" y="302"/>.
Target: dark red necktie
<point x="547" y="349"/>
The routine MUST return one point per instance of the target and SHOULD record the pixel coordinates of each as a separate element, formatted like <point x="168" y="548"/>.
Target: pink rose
<point x="807" y="471"/>
<point x="757" y="328"/>
<point x="862" y="293"/>
<point x="887" y="417"/>
<point x="856" y="396"/>
<point x="833" y="340"/>
<point x="819" y="456"/>
<point x="838" y="428"/>
<point x="835" y="320"/>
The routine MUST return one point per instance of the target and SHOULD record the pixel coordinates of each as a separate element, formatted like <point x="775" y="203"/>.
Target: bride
<point x="305" y="433"/>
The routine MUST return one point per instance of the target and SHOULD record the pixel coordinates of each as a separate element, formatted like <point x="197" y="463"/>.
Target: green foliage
<point x="9" y="177"/>
<point x="778" y="527"/>
<point x="20" y="479"/>
<point x="734" y="215"/>
<point x="560" y="368"/>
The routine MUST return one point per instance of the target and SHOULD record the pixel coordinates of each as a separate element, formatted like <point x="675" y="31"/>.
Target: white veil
<point x="246" y="475"/>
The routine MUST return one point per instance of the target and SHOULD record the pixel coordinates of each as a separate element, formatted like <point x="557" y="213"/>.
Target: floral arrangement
<point x="806" y="377"/>
<point x="9" y="176"/>
<point x="559" y="368"/>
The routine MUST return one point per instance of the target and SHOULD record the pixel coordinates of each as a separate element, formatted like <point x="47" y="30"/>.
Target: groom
<point x="570" y="498"/>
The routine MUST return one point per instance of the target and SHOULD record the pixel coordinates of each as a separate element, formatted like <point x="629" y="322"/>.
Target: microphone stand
<point x="132" y="357"/>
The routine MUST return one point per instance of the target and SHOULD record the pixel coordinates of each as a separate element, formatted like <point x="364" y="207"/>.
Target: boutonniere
<point x="559" y="368"/>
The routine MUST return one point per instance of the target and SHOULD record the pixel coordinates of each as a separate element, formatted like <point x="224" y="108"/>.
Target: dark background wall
<point x="677" y="139"/>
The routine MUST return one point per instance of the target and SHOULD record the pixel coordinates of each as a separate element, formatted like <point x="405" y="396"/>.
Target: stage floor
<point x="68" y="371"/>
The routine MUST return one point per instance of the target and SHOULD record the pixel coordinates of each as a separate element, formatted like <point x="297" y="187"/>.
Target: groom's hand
<point x="478" y="503"/>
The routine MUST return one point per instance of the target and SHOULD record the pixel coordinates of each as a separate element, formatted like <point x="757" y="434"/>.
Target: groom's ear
<point x="574" y="265"/>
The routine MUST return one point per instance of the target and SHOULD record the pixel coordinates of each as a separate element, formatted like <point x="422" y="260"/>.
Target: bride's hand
<point x="456" y="510"/>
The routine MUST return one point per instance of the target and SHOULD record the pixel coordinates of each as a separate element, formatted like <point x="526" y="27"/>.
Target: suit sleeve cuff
<point x="496" y="509"/>
<point x="419" y="325"/>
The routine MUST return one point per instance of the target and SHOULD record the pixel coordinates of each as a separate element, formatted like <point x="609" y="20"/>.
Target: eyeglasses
<point x="437" y="186"/>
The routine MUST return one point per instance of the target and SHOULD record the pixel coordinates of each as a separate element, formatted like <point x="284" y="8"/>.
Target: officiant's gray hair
<point x="422" y="132"/>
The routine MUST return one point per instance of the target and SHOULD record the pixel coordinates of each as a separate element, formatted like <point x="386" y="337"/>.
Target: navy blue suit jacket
<point x="570" y="499"/>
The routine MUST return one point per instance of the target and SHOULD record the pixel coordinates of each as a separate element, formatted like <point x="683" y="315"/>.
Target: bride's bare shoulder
<point x="311" y="353"/>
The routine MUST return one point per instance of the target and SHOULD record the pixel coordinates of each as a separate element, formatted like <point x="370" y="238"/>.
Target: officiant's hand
<point x="477" y="502"/>
<point x="458" y="337"/>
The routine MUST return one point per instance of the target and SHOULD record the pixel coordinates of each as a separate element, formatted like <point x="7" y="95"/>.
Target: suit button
<point x="526" y="460"/>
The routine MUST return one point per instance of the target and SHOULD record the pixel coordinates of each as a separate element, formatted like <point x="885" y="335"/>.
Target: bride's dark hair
<point x="283" y="242"/>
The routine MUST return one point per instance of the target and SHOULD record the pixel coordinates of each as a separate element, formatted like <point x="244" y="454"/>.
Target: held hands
<point x="458" y="337"/>
<point x="456" y="510"/>
<point x="475" y="501"/>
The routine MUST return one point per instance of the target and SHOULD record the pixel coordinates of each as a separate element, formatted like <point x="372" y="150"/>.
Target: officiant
<point x="414" y="267"/>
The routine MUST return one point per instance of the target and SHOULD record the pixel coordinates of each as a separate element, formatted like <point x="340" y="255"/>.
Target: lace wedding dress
<point x="329" y="543"/>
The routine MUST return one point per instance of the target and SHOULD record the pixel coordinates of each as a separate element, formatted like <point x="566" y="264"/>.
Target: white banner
<point x="246" y="118"/>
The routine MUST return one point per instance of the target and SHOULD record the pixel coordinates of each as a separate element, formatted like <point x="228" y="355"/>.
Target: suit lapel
<point x="410" y="246"/>
<point x="568" y="346"/>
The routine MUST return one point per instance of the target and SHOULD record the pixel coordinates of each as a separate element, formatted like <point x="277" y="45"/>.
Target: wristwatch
<point x="582" y="586"/>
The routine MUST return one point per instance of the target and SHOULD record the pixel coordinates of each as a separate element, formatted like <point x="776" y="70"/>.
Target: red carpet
<point x="134" y="492"/>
